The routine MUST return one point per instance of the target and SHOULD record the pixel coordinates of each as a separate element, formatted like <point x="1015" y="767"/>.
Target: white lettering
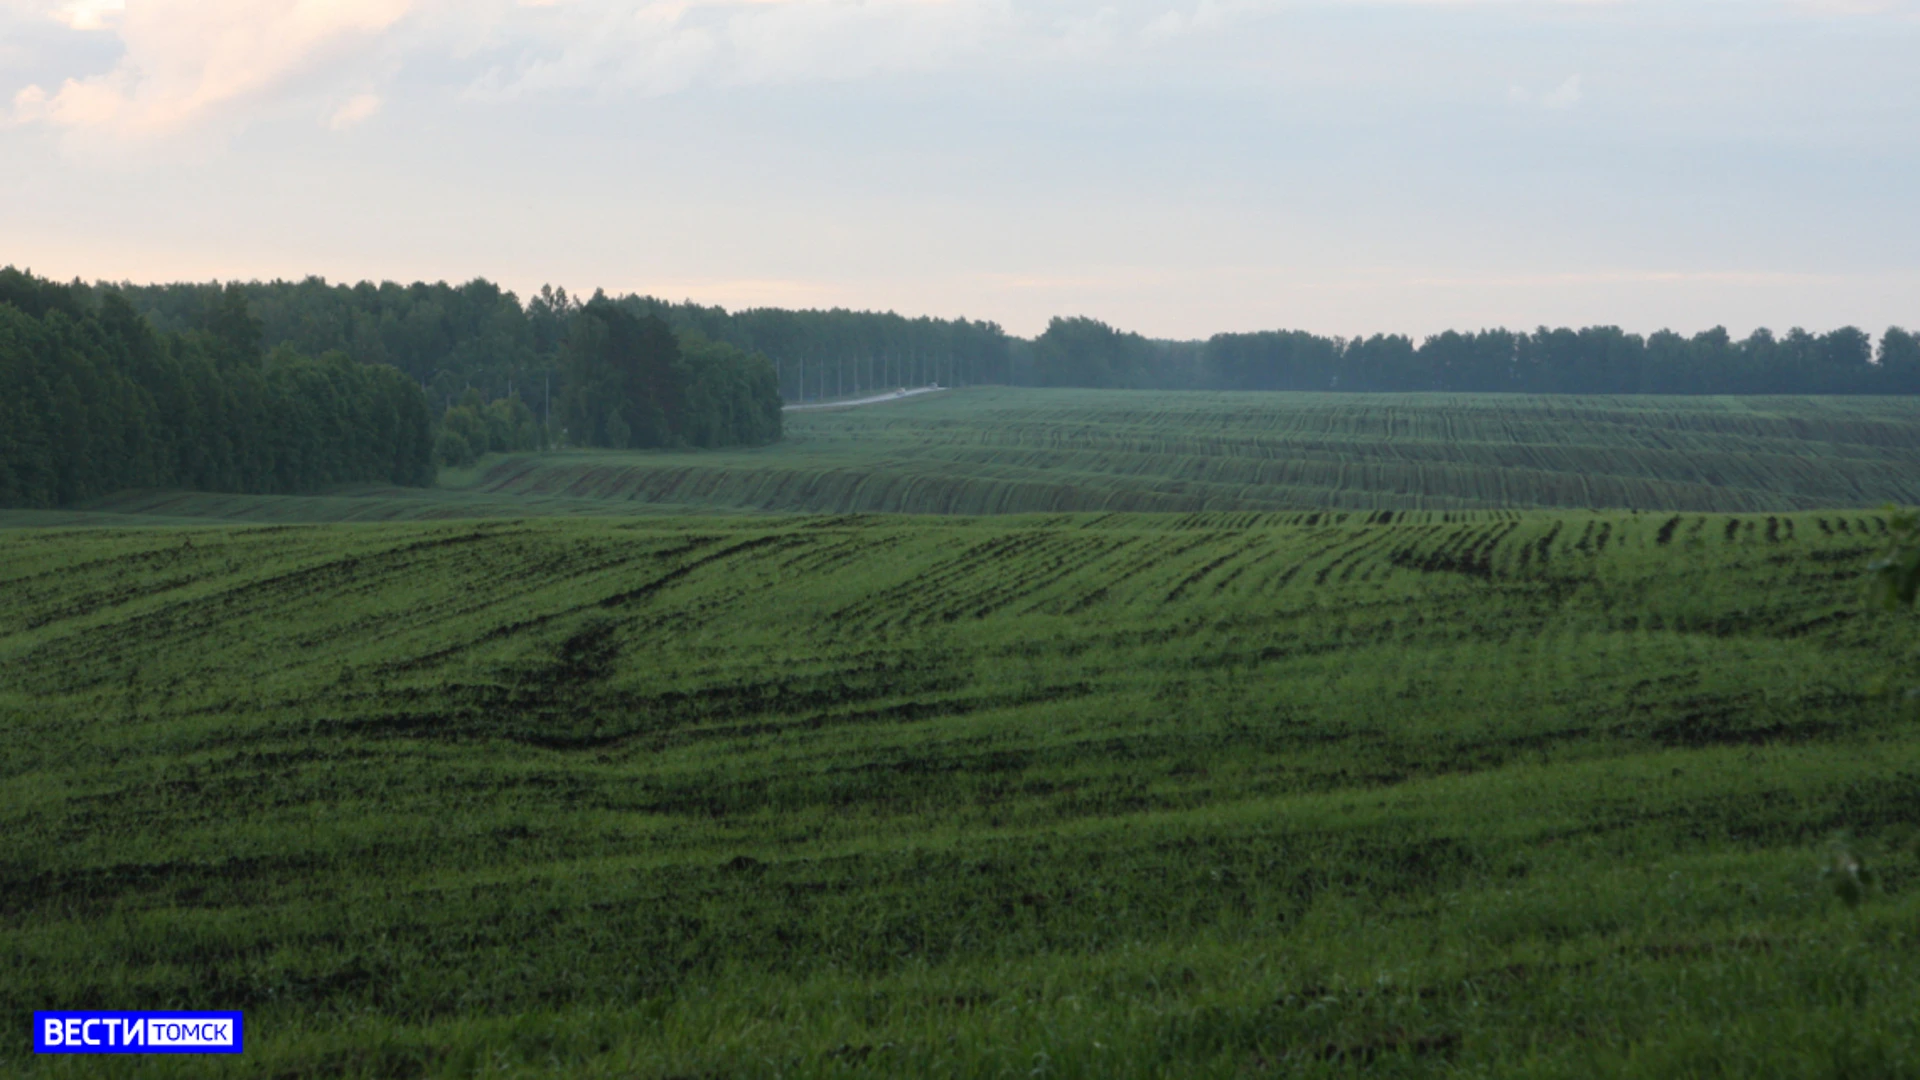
<point x="72" y="1032"/>
<point x="185" y="1033"/>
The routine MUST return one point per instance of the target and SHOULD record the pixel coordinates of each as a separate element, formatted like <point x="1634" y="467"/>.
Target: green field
<point x="997" y="450"/>
<point x="1410" y="793"/>
<point x="993" y="451"/>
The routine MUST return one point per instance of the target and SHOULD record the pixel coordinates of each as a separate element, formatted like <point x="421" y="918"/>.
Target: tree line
<point x="174" y="385"/>
<point x="1594" y="360"/>
<point x="478" y="336"/>
<point x="824" y="354"/>
<point x="452" y="338"/>
<point x="505" y="376"/>
<point x="98" y="400"/>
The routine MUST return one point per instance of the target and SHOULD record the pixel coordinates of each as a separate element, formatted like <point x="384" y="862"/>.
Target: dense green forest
<point x="1595" y="360"/>
<point x="97" y="400"/>
<point x="478" y="336"/>
<point x="624" y="381"/>
<point x="452" y="338"/>
<point x="630" y="381"/>
<point x="174" y="386"/>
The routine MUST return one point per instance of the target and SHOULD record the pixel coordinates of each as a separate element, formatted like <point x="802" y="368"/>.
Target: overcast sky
<point x="1179" y="168"/>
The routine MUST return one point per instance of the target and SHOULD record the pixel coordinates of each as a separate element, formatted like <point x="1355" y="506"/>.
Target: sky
<point x="1176" y="167"/>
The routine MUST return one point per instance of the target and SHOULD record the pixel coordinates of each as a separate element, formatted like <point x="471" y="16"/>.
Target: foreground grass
<point x="1070" y="796"/>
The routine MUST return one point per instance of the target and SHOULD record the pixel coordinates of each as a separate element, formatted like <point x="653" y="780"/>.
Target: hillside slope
<point x="998" y="451"/>
<point x="990" y="451"/>
<point x="1217" y="795"/>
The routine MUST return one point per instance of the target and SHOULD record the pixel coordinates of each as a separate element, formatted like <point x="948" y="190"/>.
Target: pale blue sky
<point x="1172" y="167"/>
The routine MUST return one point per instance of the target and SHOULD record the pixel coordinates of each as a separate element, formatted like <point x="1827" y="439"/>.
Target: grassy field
<point x="995" y="451"/>
<point x="452" y="501"/>
<point x="992" y="451"/>
<point x="1411" y="793"/>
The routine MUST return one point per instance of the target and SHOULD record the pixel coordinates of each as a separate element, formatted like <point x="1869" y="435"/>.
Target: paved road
<point x="894" y="395"/>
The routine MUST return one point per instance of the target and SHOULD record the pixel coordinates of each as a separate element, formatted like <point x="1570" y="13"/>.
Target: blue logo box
<point x="137" y="1032"/>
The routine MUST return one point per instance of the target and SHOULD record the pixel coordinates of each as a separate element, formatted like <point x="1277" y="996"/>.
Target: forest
<point x="481" y="337"/>
<point x="478" y="336"/>
<point x="98" y="401"/>
<point x="237" y="389"/>
<point x="1593" y="360"/>
<point x="622" y="380"/>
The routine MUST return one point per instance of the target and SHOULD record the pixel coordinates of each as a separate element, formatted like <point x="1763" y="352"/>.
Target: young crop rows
<point x="1220" y="794"/>
<point x="1000" y="451"/>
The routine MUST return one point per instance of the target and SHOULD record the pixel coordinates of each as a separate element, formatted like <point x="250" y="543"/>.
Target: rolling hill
<point x="997" y="451"/>
<point x="1553" y="794"/>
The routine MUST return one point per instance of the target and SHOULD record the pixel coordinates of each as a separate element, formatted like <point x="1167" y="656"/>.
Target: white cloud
<point x="1855" y="7"/>
<point x="559" y="45"/>
<point x="1564" y="96"/>
<point x="840" y="39"/>
<point x="1089" y="35"/>
<point x="184" y="62"/>
<point x="358" y="108"/>
<point x="89" y="14"/>
<point x="663" y="46"/>
<point x="1206" y="15"/>
<point x="185" y="59"/>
